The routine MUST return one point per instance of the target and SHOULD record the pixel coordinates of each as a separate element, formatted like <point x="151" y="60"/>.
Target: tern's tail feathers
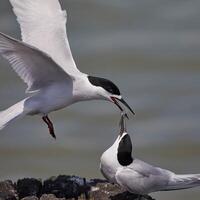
<point x="12" y="113"/>
<point x="179" y="182"/>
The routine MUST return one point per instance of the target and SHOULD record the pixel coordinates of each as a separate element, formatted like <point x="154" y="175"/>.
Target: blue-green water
<point x="151" y="50"/>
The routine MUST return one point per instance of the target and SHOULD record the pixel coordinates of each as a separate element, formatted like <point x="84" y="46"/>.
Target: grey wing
<point x="147" y="169"/>
<point x="142" y="178"/>
<point x="35" y="68"/>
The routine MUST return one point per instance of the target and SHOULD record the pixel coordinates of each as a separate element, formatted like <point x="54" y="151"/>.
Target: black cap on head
<point x="104" y="83"/>
<point x="124" y="151"/>
<point x="110" y="87"/>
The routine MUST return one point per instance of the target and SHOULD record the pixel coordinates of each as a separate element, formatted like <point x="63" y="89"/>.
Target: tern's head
<point x="109" y="91"/>
<point x="124" y="150"/>
<point x="119" y="154"/>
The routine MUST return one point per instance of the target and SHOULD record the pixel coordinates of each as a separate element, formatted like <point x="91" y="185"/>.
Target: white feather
<point x="33" y="66"/>
<point x="179" y="181"/>
<point x="43" y="25"/>
<point x="12" y="113"/>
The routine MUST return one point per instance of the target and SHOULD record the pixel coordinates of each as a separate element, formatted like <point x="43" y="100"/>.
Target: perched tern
<point x="44" y="61"/>
<point x="119" y="166"/>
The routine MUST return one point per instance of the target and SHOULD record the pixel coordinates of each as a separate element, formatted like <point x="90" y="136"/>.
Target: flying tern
<point x="120" y="167"/>
<point x="44" y="61"/>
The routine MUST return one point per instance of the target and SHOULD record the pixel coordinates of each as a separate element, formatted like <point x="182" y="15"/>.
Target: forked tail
<point x="12" y="113"/>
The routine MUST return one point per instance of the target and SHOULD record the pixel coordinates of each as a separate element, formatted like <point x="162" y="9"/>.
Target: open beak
<point x="124" y="102"/>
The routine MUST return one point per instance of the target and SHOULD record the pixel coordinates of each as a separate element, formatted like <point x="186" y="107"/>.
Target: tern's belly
<point x="49" y="100"/>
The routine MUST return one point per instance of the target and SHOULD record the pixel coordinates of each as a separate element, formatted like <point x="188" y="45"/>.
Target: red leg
<point x="50" y="126"/>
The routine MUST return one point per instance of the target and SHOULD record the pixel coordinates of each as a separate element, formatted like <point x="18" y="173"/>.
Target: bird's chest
<point x="109" y="167"/>
<point x="56" y="97"/>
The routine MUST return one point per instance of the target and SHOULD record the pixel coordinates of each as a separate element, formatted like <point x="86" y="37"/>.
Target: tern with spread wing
<point x="44" y="61"/>
<point x="119" y="166"/>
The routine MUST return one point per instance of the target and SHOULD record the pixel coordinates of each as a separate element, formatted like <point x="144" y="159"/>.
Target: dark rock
<point x="29" y="187"/>
<point x="103" y="190"/>
<point x="7" y="190"/>
<point x="3" y="197"/>
<point x="126" y="196"/>
<point x="50" y="197"/>
<point x="30" y="198"/>
<point x="64" y="186"/>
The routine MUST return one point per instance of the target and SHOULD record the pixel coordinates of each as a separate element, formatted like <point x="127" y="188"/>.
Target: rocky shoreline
<point x="62" y="188"/>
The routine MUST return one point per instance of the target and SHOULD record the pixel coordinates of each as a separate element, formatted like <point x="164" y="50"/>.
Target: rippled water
<point x="151" y="49"/>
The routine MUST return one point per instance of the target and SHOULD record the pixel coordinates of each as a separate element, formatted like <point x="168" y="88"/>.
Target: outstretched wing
<point x="36" y="68"/>
<point x="43" y="25"/>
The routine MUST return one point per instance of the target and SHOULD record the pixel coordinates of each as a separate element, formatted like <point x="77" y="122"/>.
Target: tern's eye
<point x="112" y="90"/>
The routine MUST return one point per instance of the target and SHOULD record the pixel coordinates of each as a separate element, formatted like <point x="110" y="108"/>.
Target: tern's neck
<point x="84" y="90"/>
<point x="109" y="162"/>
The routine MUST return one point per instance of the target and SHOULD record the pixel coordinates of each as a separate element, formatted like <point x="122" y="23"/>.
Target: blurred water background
<point x="151" y="49"/>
